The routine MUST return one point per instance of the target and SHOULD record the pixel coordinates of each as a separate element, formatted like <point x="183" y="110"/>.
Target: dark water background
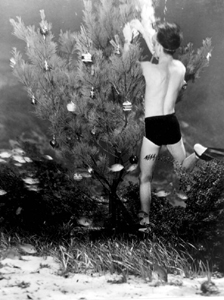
<point x="202" y="108"/>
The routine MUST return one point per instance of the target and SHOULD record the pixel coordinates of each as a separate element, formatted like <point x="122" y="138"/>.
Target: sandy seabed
<point x="32" y="277"/>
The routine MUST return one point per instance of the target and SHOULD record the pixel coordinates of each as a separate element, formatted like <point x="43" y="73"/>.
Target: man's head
<point x="169" y="36"/>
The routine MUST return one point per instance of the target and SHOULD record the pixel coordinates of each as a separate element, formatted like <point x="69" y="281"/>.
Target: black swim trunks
<point x="163" y="130"/>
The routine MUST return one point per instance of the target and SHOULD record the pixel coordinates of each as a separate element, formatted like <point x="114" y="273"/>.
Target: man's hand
<point x="146" y="33"/>
<point x="137" y="25"/>
<point x="127" y="31"/>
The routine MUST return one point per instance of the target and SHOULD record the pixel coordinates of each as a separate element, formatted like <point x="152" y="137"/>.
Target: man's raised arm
<point x="127" y="32"/>
<point x="146" y="33"/>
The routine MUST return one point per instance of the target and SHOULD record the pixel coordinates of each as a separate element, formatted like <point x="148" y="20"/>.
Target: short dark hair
<point x="169" y="36"/>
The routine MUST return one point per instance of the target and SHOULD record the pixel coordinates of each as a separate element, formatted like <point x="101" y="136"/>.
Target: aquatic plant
<point x="50" y="207"/>
<point x="195" y="61"/>
<point x="91" y="93"/>
<point x="115" y="256"/>
<point x="201" y="223"/>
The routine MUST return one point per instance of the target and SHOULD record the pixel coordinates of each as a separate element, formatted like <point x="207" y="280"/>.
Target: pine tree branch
<point x="103" y="149"/>
<point x="100" y="177"/>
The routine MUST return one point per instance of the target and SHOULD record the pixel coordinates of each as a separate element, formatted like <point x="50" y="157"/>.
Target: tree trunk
<point x="116" y="206"/>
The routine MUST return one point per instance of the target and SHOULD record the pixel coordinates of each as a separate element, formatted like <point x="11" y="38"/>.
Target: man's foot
<point x="203" y="152"/>
<point x="144" y="224"/>
<point x="144" y="228"/>
<point x="143" y="217"/>
<point x="208" y="153"/>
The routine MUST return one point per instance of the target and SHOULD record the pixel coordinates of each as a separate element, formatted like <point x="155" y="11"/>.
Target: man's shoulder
<point x="179" y="66"/>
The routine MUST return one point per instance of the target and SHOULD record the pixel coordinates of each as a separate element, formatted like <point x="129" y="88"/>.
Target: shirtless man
<point x="163" y="84"/>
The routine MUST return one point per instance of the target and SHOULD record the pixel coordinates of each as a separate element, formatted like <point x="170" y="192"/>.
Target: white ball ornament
<point x="71" y="106"/>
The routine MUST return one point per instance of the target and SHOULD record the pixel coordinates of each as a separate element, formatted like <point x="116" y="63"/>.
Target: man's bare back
<point x="163" y="83"/>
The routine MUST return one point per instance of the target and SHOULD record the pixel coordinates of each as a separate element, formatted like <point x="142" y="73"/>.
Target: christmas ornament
<point x="133" y="159"/>
<point x="77" y="177"/>
<point x="90" y="170"/>
<point x="44" y="31"/>
<point x="71" y="106"/>
<point x="93" y="131"/>
<point x="209" y="55"/>
<point x="116" y="47"/>
<point x="117" y="50"/>
<point x="127" y="106"/>
<point x="116" y="44"/>
<point x="12" y="62"/>
<point x="92" y="93"/>
<point x="54" y="143"/>
<point x="46" y="66"/>
<point x="87" y="58"/>
<point x="33" y="100"/>
<point x="116" y="168"/>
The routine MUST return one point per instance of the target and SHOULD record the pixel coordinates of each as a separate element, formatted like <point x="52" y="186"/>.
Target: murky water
<point x="203" y="106"/>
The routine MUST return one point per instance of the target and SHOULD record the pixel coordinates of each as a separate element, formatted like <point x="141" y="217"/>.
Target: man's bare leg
<point x="151" y="151"/>
<point x="146" y="172"/>
<point x="179" y="154"/>
<point x="200" y="152"/>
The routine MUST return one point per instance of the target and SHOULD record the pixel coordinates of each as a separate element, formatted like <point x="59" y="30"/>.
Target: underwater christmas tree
<point x="91" y="92"/>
